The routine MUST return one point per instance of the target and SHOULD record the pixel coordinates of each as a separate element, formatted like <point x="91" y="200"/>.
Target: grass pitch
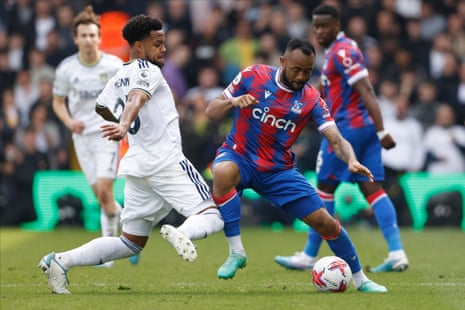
<point x="162" y="280"/>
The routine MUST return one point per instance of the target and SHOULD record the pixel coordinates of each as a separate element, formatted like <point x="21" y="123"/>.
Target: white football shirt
<point x="82" y="84"/>
<point x="154" y="136"/>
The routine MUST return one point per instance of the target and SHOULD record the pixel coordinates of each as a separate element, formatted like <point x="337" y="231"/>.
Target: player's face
<point x="296" y="69"/>
<point x="326" y="29"/>
<point x="87" y="37"/>
<point x="154" y="48"/>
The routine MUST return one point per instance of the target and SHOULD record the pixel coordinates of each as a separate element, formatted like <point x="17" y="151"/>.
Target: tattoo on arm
<point x="341" y="147"/>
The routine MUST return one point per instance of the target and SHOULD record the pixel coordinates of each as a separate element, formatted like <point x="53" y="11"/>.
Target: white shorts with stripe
<point x="148" y="199"/>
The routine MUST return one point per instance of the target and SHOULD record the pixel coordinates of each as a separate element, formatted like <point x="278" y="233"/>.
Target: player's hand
<point x="114" y="132"/>
<point x="244" y="101"/>
<point x="357" y="167"/>
<point x="76" y="126"/>
<point x="388" y="142"/>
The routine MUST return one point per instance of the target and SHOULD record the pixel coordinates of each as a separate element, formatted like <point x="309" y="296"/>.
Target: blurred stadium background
<point x="414" y="50"/>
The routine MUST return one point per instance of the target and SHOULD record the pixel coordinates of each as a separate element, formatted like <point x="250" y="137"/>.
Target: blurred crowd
<point x="414" y="51"/>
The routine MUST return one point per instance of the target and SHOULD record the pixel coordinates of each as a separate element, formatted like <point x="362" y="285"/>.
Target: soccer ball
<point x="331" y="274"/>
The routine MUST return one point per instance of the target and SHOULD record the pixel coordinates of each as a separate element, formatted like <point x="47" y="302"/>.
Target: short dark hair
<point x="139" y="28"/>
<point x="305" y="46"/>
<point x="326" y="9"/>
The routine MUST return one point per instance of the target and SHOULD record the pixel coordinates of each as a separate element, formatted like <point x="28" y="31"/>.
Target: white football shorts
<point x="147" y="200"/>
<point x="98" y="157"/>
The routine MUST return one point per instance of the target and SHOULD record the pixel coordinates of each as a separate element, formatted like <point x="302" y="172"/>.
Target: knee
<point x="328" y="226"/>
<point x="225" y="177"/>
<point x="103" y="196"/>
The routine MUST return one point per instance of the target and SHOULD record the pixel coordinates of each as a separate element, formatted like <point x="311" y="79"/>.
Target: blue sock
<point x="314" y="239"/>
<point x="230" y="209"/>
<point x="386" y="216"/>
<point x="343" y="247"/>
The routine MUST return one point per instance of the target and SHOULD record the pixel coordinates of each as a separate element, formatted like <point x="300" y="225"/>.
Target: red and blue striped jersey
<point x="343" y="66"/>
<point x="265" y="132"/>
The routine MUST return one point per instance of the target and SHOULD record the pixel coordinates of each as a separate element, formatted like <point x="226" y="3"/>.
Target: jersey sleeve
<point x="321" y="115"/>
<point x="240" y="84"/>
<point x="60" y="84"/>
<point x="147" y="80"/>
<point x="106" y="97"/>
<point x="349" y="63"/>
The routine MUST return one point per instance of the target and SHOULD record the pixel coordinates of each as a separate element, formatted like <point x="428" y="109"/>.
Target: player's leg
<point x="328" y="167"/>
<point x="106" y="157"/>
<point x="369" y="154"/>
<point x="226" y="177"/>
<point x="184" y="189"/>
<point x="136" y="229"/>
<point x="336" y="236"/>
<point x="305" y="259"/>
<point x="386" y="218"/>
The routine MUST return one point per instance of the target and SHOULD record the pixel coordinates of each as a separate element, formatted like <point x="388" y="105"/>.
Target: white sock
<point x="200" y="226"/>
<point x="110" y="223"/>
<point x="396" y="254"/>
<point x="358" y="278"/>
<point x="308" y="258"/>
<point x="95" y="252"/>
<point x="235" y="245"/>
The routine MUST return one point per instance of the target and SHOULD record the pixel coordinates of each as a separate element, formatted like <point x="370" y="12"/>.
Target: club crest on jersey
<point x="143" y="74"/>
<point x="297" y="107"/>
<point x="103" y="77"/>
<point x="267" y="93"/>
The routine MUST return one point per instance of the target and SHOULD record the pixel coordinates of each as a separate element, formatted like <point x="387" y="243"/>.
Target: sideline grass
<point x="436" y="279"/>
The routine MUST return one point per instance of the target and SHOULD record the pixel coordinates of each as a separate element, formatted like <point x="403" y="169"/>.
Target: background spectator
<point x="445" y="143"/>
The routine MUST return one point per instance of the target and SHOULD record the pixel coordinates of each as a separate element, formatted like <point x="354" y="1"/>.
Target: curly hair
<point x="139" y="28"/>
<point x="86" y="17"/>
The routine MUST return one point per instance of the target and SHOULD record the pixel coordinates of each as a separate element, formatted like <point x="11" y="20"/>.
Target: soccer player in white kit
<point x="159" y="177"/>
<point x="79" y="80"/>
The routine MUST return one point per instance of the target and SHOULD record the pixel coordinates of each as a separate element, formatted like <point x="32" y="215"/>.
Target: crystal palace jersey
<point x="265" y="132"/>
<point x="343" y="66"/>
<point x="81" y="84"/>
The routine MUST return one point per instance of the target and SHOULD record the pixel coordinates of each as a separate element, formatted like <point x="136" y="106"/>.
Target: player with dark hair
<point x="159" y="178"/>
<point x="271" y="106"/>
<point x="79" y="79"/>
<point x="353" y="104"/>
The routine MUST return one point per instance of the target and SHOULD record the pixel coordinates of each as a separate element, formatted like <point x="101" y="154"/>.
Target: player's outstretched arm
<point x="116" y="132"/>
<point x="105" y="112"/>
<point x="366" y="91"/>
<point x="345" y="152"/>
<point x="218" y="108"/>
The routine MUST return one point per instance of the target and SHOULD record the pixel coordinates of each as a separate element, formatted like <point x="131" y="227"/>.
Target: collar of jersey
<point x="281" y="85"/>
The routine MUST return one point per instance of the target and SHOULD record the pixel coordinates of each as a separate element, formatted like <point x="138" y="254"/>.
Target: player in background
<point x="79" y="80"/>
<point x="271" y="106"/>
<point x="353" y="104"/>
<point x="158" y="175"/>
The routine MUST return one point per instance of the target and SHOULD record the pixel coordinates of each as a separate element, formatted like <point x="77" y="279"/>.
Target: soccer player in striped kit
<point x="271" y="106"/>
<point x="353" y="104"/>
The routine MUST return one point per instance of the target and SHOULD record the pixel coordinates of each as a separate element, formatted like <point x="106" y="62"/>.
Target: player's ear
<point x="282" y="60"/>
<point x="139" y="48"/>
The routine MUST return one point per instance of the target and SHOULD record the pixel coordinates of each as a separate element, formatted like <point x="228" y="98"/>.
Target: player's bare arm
<point x="366" y="91"/>
<point x="60" y="109"/>
<point x="116" y="132"/>
<point x="345" y="152"/>
<point x="105" y="112"/>
<point x="220" y="107"/>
